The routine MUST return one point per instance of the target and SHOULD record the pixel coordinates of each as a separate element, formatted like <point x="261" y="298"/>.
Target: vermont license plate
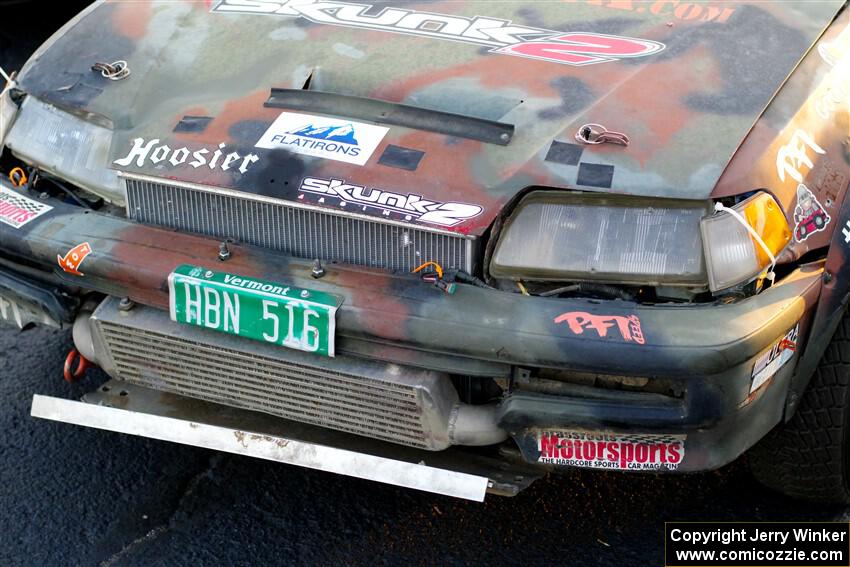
<point x="256" y="309"/>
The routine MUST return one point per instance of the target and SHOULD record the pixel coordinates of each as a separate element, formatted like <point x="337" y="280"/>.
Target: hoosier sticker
<point x="611" y="451"/>
<point x="17" y="210"/>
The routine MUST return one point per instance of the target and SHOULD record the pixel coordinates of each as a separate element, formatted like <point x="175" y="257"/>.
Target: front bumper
<point x="397" y="318"/>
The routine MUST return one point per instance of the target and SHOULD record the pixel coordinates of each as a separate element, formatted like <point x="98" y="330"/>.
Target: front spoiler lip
<point x="398" y="313"/>
<point x="264" y="446"/>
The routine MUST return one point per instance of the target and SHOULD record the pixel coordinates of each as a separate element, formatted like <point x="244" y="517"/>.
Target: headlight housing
<point x="561" y="236"/>
<point x="66" y="146"/>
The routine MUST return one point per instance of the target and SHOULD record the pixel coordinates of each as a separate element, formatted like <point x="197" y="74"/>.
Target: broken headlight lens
<point x="66" y="146"/>
<point x="733" y="252"/>
<point x="559" y="236"/>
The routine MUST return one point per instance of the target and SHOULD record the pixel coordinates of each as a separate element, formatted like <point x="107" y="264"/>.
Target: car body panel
<point x="700" y="108"/>
<point x="685" y="108"/>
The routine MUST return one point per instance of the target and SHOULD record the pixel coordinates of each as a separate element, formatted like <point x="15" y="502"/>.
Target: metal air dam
<point x="262" y="445"/>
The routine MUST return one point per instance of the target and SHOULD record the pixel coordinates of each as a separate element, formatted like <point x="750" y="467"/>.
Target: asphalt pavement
<point x="76" y="496"/>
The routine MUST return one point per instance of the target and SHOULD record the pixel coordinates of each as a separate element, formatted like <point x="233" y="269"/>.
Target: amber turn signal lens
<point x="768" y="220"/>
<point x="733" y="254"/>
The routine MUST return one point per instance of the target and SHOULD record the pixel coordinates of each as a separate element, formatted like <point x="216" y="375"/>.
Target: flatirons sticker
<point x="328" y="138"/>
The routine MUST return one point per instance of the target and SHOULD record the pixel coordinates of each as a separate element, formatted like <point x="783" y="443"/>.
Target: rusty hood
<point x="278" y="98"/>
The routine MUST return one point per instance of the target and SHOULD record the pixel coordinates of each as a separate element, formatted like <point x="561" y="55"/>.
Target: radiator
<point x="295" y="230"/>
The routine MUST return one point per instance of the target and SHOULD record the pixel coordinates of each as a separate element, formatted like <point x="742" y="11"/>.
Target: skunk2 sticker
<point x="610" y="451"/>
<point x="502" y="36"/>
<point x="411" y="205"/>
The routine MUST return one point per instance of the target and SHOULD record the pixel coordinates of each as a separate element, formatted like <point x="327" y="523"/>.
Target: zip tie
<point x="10" y="80"/>
<point x="720" y="207"/>
<point x="522" y="289"/>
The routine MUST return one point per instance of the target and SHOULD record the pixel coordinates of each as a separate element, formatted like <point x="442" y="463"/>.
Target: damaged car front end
<point x="367" y="240"/>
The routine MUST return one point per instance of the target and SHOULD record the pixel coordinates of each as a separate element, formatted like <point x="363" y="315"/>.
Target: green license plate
<point x="256" y="309"/>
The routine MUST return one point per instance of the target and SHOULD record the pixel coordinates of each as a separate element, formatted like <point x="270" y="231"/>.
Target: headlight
<point x="66" y="146"/>
<point x="574" y="237"/>
<point x="736" y="254"/>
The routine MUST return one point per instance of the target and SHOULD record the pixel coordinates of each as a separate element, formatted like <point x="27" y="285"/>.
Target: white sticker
<point x="793" y="156"/>
<point x="769" y="362"/>
<point x="17" y="210"/>
<point x="635" y="452"/>
<point x="319" y="136"/>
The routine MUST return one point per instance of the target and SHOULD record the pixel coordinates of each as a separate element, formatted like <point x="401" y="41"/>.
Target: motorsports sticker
<point x="502" y="36"/>
<point x="611" y="451"/>
<point x="17" y="210"/>
<point x="329" y="138"/>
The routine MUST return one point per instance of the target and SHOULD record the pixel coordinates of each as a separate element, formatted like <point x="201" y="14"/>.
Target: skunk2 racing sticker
<point x="634" y="452"/>
<point x="502" y="36"/>
<point x="769" y="362"/>
<point x="329" y="138"/>
<point x="410" y="205"/>
<point x="17" y="210"/>
<point x="809" y="215"/>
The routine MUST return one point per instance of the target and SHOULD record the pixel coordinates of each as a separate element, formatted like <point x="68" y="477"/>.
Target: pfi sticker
<point x="628" y="327"/>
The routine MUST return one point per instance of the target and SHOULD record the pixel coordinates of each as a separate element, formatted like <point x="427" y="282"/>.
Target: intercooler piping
<point x="475" y="425"/>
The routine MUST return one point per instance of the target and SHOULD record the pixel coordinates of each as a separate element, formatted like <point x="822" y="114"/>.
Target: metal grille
<point x="327" y="398"/>
<point x="304" y="233"/>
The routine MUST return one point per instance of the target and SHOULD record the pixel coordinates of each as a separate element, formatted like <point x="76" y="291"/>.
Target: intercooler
<point x="402" y="405"/>
<point x="292" y="228"/>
